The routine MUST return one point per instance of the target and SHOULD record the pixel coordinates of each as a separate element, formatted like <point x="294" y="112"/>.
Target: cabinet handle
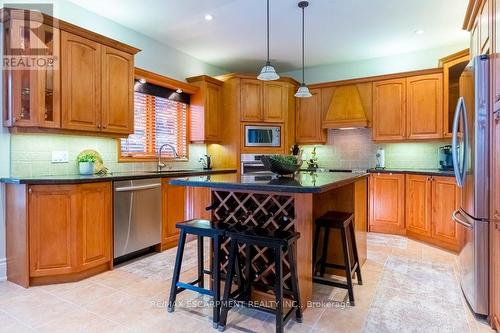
<point x="497" y="98"/>
<point x="98" y="126"/>
<point x="30" y="190"/>
<point x="497" y="114"/>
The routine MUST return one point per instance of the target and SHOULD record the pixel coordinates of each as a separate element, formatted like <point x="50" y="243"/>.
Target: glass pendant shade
<point x="268" y="73"/>
<point x="303" y="91"/>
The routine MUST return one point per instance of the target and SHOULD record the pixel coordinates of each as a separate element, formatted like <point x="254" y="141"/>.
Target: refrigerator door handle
<point x="460" y="173"/>
<point x="455" y="215"/>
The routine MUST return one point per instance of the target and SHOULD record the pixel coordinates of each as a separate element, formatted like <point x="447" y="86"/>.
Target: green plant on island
<point x="285" y="160"/>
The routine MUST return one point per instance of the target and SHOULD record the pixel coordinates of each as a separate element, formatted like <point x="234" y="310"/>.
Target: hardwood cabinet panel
<point x="81" y="83"/>
<point x="213" y="112"/>
<point x="275" y="101"/>
<point x="52" y="214"/>
<point x="484" y="27"/>
<point x="474" y="41"/>
<point x="308" y="119"/>
<point x="94" y="225"/>
<point x="389" y="110"/>
<point x="173" y="211"/>
<point x="117" y="91"/>
<point x="495" y="274"/>
<point x="197" y="199"/>
<point x="251" y="100"/>
<point x="418" y="205"/>
<point x="424" y="95"/>
<point x="387" y="203"/>
<point x="445" y="200"/>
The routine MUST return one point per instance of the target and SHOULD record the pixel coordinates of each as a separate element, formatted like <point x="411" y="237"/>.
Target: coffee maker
<point x="445" y="159"/>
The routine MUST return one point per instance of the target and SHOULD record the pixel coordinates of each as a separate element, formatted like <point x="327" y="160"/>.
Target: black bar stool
<point x="200" y="228"/>
<point x="279" y="242"/>
<point x="345" y="223"/>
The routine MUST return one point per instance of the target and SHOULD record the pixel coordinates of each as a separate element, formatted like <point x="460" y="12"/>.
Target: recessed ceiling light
<point x="179" y="91"/>
<point x="419" y="32"/>
<point x="208" y="17"/>
<point x="142" y="80"/>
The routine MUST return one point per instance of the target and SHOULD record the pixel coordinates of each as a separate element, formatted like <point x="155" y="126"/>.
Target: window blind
<point x="157" y="121"/>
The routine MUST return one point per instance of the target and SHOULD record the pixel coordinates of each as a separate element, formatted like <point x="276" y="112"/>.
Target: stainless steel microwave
<point x="262" y="136"/>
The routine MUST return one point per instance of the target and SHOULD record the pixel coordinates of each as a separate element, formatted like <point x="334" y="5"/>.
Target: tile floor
<point x="133" y="298"/>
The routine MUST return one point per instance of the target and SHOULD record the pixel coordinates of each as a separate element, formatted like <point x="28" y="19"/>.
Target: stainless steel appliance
<point x="470" y="152"/>
<point x="252" y="165"/>
<point x="445" y="158"/>
<point x="262" y="136"/>
<point x="137" y="215"/>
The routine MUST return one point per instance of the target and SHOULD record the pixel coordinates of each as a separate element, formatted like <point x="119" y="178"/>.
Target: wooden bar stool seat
<point x="200" y="228"/>
<point x="345" y="223"/>
<point x="280" y="242"/>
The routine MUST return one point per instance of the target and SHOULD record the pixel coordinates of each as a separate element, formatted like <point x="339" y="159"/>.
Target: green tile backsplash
<point x="354" y="149"/>
<point x="31" y="155"/>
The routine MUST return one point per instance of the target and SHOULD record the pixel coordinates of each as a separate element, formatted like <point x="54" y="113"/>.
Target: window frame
<point x="166" y="82"/>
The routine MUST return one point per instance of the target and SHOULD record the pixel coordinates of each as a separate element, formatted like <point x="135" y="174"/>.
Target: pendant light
<point x="268" y="73"/>
<point x="303" y="91"/>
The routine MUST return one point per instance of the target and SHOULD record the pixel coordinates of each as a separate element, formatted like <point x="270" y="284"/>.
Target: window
<point x="160" y="116"/>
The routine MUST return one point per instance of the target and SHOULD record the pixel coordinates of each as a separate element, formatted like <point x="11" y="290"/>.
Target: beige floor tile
<point x="9" y="324"/>
<point x="85" y="293"/>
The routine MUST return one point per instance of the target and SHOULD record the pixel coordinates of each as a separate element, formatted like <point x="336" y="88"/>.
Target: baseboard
<point x="3" y="269"/>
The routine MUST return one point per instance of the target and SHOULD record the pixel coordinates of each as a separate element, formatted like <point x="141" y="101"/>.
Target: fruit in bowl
<point x="281" y="164"/>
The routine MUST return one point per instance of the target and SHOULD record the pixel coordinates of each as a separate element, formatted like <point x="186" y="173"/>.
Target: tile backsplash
<point x="31" y="155"/>
<point x="354" y="149"/>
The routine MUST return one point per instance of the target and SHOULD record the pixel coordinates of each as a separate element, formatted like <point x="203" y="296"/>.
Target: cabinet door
<point x="275" y="101"/>
<point x="389" y="110"/>
<point x="94" y="225"/>
<point x="387" y="203"/>
<point x="495" y="274"/>
<point x="474" y="40"/>
<point x="213" y="110"/>
<point x="117" y="91"/>
<point x="173" y="211"/>
<point x="484" y="27"/>
<point x="308" y="119"/>
<point x="424" y="95"/>
<point x="445" y="200"/>
<point x="418" y="205"/>
<point x="251" y="100"/>
<point x="197" y="199"/>
<point x="52" y="229"/>
<point x="80" y="83"/>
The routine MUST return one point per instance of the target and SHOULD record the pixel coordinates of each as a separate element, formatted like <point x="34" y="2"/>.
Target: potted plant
<point x="86" y="162"/>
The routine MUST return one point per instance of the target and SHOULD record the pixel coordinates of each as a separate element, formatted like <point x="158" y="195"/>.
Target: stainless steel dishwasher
<point x="137" y="215"/>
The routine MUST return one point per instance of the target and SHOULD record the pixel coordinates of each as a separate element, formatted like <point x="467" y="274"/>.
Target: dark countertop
<point x="303" y="182"/>
<point x="426" y="172"/>
<point x="78" y="179"/>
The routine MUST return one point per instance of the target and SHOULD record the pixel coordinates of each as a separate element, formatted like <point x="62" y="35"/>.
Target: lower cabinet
<point x="418" y="205"/>
<point x="69" y="228"/>
<point x="495" y="274"/>
<point x="386" y="203"/>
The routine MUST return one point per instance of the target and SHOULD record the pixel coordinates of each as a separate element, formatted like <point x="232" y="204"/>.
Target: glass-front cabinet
<point x="31" y="75"/>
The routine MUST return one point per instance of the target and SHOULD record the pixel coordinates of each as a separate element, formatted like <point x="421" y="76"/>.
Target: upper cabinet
<point x="484" y="27"/>
<point x="264" y="101"/>
<point x="308" y="119"/>
<point x="424" y="105"/>
<point x="206" y="110"/>
<point x="89" y="86"/>
<point x="408" y="108"/>
<point x="389" y="110"/>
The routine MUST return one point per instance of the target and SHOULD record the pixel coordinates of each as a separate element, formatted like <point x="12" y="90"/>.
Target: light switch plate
<point x="60" y="156"/>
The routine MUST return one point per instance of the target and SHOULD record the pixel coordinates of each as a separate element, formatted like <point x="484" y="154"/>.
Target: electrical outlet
<point x="60" y="156"/>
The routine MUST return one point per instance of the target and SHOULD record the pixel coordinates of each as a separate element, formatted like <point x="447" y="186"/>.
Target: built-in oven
<point x="251" y="164"/>
<point x="262" y="136"/>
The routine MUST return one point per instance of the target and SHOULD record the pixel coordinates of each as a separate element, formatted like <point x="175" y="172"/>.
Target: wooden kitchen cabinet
<point x="251" y="100"/>
<point x="495" y="274"/>
<point x="389" y="110"/>
<point x="173" y="211"/>
<point x="275" y="101"/>
<point x="263" y="101"/>
<point x="197" y="200"/>
<point x="424" y="107"/>
<point x="117" y="91"/>
<point x="63" y="232"/>
<point x="484" y="21"/>
<point x="308" y="119"/>
<point x="206" y="110"/>
<point x="418" y="205"/>
<point x="80" y="83"/>
<point x="387" y="203"/>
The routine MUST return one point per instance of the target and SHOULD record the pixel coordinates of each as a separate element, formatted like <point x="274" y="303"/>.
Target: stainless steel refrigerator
<point x="470" y="151"/>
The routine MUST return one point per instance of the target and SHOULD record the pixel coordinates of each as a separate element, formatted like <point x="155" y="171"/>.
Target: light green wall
<point x="377" y="66"/>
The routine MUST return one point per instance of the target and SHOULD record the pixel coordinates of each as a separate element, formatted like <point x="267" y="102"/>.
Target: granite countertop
<point x="77" y="179"/>
<point x="427" y="172"/>
<point x="303" y="182"/>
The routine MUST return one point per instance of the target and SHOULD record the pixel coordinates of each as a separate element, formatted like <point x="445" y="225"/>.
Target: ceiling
<point x="336" y="30"/>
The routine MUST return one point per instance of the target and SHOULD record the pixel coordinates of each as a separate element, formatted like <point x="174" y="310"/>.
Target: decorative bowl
<point x="278" y="167"/>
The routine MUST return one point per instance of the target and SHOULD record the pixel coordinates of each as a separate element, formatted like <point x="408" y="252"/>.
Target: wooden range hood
<point x="349" y="107"/>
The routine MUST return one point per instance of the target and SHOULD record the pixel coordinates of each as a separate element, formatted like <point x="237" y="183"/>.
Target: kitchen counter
<point x="303" y="182"/>
<point x="78" y="179"/>
<point x="427" y="172"/>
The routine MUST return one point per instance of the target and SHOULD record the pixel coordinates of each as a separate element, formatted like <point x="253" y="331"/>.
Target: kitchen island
<point x="293" y="204"/>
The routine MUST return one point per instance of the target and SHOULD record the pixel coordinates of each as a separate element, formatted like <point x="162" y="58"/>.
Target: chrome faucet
<point x="160" y="164"/>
